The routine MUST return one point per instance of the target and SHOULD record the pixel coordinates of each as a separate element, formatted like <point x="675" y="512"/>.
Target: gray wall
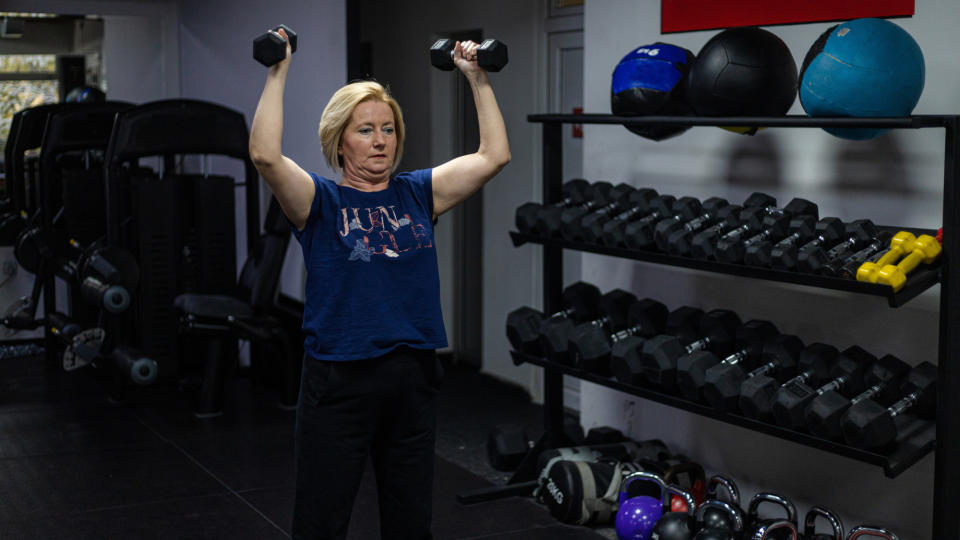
<point x="400" y="35"/>
<point x="896" y="180"/>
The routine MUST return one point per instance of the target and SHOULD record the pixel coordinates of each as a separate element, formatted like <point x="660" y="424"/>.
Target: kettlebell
<point x="676" y="525"/>
<point x="753" y="517"/>
<point x="695" y="483"/>
<point x="717" y="517"/>
<point x="809" y="524"/>
<point x="867" y="530"/>
<point x="637" y="516"/>
<point x="727" y="527"/>
<point x="777" y="529"/>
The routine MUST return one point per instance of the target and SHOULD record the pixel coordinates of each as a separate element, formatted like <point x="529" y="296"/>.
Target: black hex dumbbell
<point x="639" y="233"/>
<point x="869" y="425"/>
<point x="790" y="405"/>
<point x="591" y="344"/>
<point x="590" y="227"/>
<point x="555" y="334"/>
<point x="570" y="219"/>
<point x="758" y="393"/>
<point x="681" y="241"/>
<point x="625" y="357"/>
<point x="602" y="230"/>
<point x="826" y="233"/>
<point x="856" y="233"/>
<point x="692" y="368"/>
<point x="761" y="253"/>
<point x="550" y="218"/>
<point x="847" y="268"/>
<point x="492" y="54"/>
<point x="773" y="228"/>
<point x="665" y="227"/>
<point x="825" y="413"/>
<point x="269" y="48"/>
<point x="757" y="205"/>
<point x="657" y="361"/>
<point x="722" y="382"/>
<point x="575" y="191"/>
<point x="580" y="302"/>
<point x="615" y="231"/>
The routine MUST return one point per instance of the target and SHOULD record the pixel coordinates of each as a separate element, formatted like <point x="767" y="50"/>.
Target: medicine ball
<point x="743" y="72"/>
<point x="864" y="67"/>
<point x="651" y="80"/>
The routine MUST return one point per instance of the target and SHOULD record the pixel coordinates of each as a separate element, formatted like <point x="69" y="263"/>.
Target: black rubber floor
<point x="73" y="465"/>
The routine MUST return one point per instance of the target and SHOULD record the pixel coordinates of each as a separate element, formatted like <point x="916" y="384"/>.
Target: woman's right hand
<point x="285" y="63"/>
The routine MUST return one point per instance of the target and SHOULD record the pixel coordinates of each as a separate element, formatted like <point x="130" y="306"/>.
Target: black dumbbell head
<point x="923" y="380"/>
<point x="658" y="361"/>
<point x="523" y="329"/>
<point x="723" y="382"/>
<point x="440" y="54"/>
<point x="692" y="369"/>
<point x="492" y="55"/>
<point x="649" y="315"/>
<point x="758" y="394"/>
<point x="626" y="362"/>
<point x="761" y="200"/>
<point x="868" y="424"/>
<point x="801" y="207"/>
<point x="582" y="299"/>
<point x="269" y="48"/>
<point x="727" y="218"/>
<point x="720" y="326"/>
<point x="828" y="229"/>
<point x="600" y="191"/>
<point x="640" y="204"/>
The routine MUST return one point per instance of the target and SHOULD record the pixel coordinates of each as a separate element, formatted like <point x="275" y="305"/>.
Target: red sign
<point x="688" y="15"/>
<point x="577" y="128"/>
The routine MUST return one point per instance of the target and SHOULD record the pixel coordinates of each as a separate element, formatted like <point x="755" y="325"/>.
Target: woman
<point x="372" y="313"/>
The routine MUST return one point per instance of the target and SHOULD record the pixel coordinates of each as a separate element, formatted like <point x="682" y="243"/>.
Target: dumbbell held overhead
<point x="491" y="55"/>
<point x="270" y="47"/>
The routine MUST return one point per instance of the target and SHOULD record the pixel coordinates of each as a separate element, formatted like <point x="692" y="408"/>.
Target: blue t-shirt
<point x="372" y="278"/>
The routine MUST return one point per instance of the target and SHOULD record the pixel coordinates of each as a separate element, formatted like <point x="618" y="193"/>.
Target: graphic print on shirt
<point x="379" y="231"/>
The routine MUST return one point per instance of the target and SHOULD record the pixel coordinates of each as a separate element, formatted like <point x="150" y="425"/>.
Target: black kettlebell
<point x="675" y="525"/>
<point x="716" y="517"/>
<point x="809" y="525"/>
<point x="727" y="527"/>
<point x="756" y="524"/>
<point x="874" y="532"/>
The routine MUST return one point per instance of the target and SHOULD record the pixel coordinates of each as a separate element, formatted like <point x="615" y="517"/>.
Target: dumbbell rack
<point x="911" y="448"/>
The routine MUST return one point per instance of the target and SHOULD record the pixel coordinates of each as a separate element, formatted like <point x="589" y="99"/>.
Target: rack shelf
<point x="921" y="279"/>
<point x="910" y="448"/>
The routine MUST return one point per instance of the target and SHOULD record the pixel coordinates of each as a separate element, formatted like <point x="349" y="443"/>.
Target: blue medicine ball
<point x="651" y="80"/>
<point x="864" y="67"/>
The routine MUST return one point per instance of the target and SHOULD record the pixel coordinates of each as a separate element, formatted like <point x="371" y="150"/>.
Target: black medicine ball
<point x="651" y="80"/>
<point x="743" y="72"/>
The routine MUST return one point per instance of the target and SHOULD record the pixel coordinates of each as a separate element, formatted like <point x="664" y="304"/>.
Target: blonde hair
<point x="337" y="114"/>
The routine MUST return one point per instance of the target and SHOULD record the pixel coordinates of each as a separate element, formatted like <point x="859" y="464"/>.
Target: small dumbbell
<point x="692" y="368"/>
<point x="679" y="242"/>
<point x="570" y="218"/>
<point x="762" y="224"/>
<point x="729" y="218"/>
<point x="590" y="345"/>
<point x="810" y="524"/>
<point x="761" y="253"/>
<point x="758" y="393"/>
<point x="639" y="234"/>
<point x="870" y="425"/>
<point x="773" y="228"/>
<point x="615" y="231"/>
<point x="550" y="218"/>
<point x="269" y="48"/>
<point x="523" y="324"/>
<point x="826" y="410"/>
<point x="656" y="361"/>
<point x="722" y="382"/>
<point x="790" y="406"/>
<point x="555" y="333"/>
<point x="665" y="227"/>
<point x="610" y="231"/>
<point x="590" y="226"/>
<point x="491" y="55"/>
<point x="847" y="268"/>
<point x="827" y="232"/>
<point x="926" y="250"/>
<point x="574" y="192"/>
<point x="857" y="232"/>
<point x="901" y="244"/>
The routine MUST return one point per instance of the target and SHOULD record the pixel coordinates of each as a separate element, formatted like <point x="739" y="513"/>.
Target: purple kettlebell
<point x="637" y="515"/>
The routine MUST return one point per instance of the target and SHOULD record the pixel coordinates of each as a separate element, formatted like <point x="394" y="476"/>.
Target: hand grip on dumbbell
<point x="491" y="55"/>
<point x="270" y="48"/>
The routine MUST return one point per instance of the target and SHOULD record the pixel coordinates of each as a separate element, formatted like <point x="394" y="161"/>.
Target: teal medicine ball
<point x="862" y="68"/>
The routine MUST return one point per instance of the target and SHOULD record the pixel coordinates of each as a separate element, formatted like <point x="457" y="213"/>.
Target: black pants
<point x="383" y="408"/>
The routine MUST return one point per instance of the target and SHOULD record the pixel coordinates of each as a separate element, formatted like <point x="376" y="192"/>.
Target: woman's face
<point x="369" y="142"/>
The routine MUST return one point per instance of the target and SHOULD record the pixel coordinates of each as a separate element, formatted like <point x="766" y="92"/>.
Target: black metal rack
<point x="943" y="438"/>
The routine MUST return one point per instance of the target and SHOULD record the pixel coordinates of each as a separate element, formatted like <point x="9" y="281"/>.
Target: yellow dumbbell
<point x="901" y="244"/>
<point x="926" y="250"/>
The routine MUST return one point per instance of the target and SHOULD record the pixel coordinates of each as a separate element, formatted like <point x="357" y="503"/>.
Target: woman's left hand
<point x="465" y="57"/>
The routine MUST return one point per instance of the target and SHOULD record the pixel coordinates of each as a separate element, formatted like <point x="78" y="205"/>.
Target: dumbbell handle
<point x="802" y="378"/>
<point x="734" y="234"/>
<point x="766" y="233"/>
<point x="608" y="209"/>
<point x="625" y="333"/>
<point x="916" y="256"/>
<point x="868" y="393"/>
<point x="835" y="384"/>
<point x="904" y="404"/>
<point x="698" y="345"/>
<point x="763" y="370"/>
<point x="851" y="263"/>
<point x="736" y="357"/>
<point x="839" y="249"/>
<point x="789" y="241"/>
<point x="627" y="214"/>
<point x="697" y="222"/>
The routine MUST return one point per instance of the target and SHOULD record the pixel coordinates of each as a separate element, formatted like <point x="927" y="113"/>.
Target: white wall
<point x="696" y="163"/>
<point x="401" y="35"/>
